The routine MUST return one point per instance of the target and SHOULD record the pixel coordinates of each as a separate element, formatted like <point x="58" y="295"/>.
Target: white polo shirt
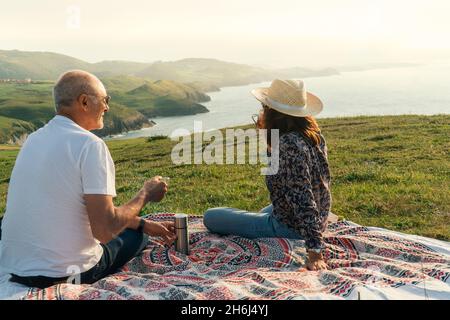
<point x="46" y="229"/>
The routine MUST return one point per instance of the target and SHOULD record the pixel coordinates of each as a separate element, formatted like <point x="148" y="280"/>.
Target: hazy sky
<point x="260" y="32"/>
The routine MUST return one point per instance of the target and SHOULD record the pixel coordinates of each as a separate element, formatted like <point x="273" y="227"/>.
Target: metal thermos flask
<point x="181" y="229"/>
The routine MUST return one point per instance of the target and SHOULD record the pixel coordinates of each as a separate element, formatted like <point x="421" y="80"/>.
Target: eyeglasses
<point x="106" y="99"/>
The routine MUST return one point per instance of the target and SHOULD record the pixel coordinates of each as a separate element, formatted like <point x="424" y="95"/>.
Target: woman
<point x="300" y="190"/>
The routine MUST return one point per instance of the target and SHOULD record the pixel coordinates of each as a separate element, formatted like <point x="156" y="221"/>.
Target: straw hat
<point x="289" y="97"/>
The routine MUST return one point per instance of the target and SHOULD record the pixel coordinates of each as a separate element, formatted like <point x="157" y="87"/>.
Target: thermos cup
<point x="181" y="229"/>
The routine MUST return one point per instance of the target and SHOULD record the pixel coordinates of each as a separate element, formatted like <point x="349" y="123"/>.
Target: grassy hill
<point x="178" y="89"/>
<point x="120" y="118"/>
<point x="12" y="130"/>
<point x="167" y="88"/>
<point x="212" y="73"/>
<point x="209" y="74"/>
<point x="164" y="98"/>
<point x="391" y="172"/>
<point x="27" y="102"/>
<point x="17" y="64"/>
<point x="156" y="98"/>
<point x="209" y="71"/>
<point x="133" y="101"/>
<point x="36" y="65"/>
<point x="122" y="83"/>
<point x="30" y="106"/>
<point x="116" y="67"/>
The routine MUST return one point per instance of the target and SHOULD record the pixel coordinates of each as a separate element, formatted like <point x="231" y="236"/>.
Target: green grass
<point x="391" y="172"/>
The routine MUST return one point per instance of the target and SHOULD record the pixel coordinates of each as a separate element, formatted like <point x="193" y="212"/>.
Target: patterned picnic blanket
<point x="365" y="263"/>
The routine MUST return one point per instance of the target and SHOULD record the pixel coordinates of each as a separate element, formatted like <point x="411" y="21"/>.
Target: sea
<point x="418" y="89"/>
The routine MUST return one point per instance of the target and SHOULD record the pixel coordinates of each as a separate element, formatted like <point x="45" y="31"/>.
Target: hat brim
<point x="313" y="107"/>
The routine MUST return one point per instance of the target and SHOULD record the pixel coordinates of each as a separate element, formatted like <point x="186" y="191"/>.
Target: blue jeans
<point x="230" y="221"/>
<point x="116" y="253"/>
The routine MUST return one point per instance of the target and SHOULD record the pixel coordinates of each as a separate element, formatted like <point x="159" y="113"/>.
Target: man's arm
<point x="107" y="221"/>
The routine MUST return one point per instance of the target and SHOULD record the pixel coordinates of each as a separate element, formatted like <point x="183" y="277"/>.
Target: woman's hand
<point x="315" y="261"/>
<point x="165" y="229"/>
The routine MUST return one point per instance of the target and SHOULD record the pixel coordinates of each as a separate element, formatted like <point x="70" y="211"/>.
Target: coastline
<point x="233" y="106"/>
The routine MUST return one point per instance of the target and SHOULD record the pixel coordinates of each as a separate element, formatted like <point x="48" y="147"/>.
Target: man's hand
<point x="170" y="225"/>
<point x="154" y="189"/>
<point x="107" y="221"/>
<point x="165" y="229"/>
<point x="315" y="262"/>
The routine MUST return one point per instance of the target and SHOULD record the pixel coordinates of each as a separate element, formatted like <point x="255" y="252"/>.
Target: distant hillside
<point x="26" y="107"/>
<point x="203" y="86"/>
<point x="210" y="74"/>
<point x="139" y="90"/>
<point x="121" y="119"/>
<point x="17" y="64"/>
<point x="164" y="98"/>
<point x="156" y="98"/>
<point x="161" y="88"/>
<point x="13" y="130"/>
<point x="209" y="71"/>
<point x="37" y="65"/>
<point x="122" y="83"/>
<point x="29" y="106"/>
<point x="203" y="74"/>
<point x="112" y="68"/>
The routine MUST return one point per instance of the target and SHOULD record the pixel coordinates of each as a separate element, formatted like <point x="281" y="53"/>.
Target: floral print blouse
<point x="300" y="190"/>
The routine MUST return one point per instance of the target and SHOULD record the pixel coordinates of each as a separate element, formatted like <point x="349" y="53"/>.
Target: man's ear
<point x="83" y="101"/>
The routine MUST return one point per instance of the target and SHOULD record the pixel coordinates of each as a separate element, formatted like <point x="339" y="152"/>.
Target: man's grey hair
<point x="70" y="85"/>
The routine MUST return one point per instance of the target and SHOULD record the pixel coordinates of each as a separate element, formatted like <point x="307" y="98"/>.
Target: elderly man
<point x="60" y="222"/>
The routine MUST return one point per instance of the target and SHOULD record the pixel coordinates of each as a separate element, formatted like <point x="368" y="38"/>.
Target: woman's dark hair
<point x="271" y="119"/>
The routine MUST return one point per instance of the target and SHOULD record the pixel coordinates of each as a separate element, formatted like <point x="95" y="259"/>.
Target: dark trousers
<point x="116" y="253"/>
